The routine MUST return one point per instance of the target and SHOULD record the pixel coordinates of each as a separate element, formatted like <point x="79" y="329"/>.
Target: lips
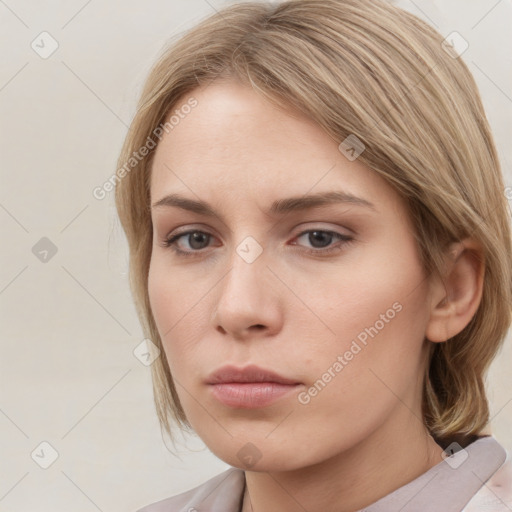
<point x="229" y="374"/>
<point x="249" y="387"/>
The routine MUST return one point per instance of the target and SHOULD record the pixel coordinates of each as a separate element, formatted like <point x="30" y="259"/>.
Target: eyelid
<point x="314" y="227"/>
<point x="188" y="228"/>
<point x="336" y="228"/>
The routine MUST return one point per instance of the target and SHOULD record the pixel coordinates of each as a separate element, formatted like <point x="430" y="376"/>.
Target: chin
<point x="273" y="464"/>
<point x="266" y="455"/>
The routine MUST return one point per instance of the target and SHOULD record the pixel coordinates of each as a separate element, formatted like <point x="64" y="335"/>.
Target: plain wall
<point x="68" y="373"/>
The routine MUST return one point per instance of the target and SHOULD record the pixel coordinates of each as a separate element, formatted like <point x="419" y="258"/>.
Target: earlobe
<point x="456" y="297"/>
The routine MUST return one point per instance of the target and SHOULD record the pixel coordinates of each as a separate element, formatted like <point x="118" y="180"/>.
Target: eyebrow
<point x="279" y="207"/>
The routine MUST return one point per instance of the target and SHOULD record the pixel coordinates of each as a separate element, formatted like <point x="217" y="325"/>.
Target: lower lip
<point x="251" y="395"/>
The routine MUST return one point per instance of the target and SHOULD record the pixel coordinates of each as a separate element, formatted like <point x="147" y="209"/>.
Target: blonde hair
<point x="368" y="69"/>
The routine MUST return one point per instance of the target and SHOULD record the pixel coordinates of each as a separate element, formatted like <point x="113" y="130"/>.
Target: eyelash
<point x="344" y="239"/>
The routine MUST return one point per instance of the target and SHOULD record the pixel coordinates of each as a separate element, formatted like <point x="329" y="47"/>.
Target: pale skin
<point x="293" y="310"/>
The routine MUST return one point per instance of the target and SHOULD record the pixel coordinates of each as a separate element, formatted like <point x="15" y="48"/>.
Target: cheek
<point x="176" y="305"/>
<point x="373" y="317"/>
<point x="366" y="291"/>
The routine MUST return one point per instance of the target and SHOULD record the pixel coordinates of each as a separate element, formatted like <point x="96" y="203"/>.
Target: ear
<point x="455" y="298"/>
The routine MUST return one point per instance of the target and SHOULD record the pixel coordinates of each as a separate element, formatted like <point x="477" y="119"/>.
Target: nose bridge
<point x="247" y="269"/>
<point x="245" y="298"/>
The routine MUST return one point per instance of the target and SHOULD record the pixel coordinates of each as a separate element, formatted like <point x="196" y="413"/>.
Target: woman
<point x="320" y="248"/>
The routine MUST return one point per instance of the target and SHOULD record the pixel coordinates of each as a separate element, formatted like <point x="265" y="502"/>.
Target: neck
<point x="349" y="481"/>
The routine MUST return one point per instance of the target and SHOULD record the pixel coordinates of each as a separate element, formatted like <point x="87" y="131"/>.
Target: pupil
<point x="316" y="236"/>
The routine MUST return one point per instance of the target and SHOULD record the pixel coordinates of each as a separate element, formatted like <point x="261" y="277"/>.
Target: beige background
<point x="68" y="373"/>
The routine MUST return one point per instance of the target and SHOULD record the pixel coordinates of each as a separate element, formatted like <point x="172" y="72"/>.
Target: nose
<point x="248" y="303"/>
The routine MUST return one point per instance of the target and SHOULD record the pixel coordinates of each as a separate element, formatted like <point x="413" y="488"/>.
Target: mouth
<point x="250" y="387"/>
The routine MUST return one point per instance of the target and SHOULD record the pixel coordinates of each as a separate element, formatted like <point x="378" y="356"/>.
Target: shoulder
<point x="495" y="495"/>
<point x="222" y="493"/>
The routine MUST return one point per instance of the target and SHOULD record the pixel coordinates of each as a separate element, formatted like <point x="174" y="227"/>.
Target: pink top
<point x="476" y="479"/>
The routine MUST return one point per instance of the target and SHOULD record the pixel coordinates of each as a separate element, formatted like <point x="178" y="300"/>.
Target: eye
<point x="196" y="240"/>
<point x="321" y="240"/>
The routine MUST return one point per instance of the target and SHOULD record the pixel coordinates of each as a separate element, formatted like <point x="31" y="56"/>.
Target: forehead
<point x="236" y="144"/>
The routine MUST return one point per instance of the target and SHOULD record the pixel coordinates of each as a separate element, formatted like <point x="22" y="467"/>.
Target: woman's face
<point x="329" y="294"/>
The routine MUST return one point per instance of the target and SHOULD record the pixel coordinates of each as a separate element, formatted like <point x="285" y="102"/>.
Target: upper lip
<point x="251" y="373"/>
